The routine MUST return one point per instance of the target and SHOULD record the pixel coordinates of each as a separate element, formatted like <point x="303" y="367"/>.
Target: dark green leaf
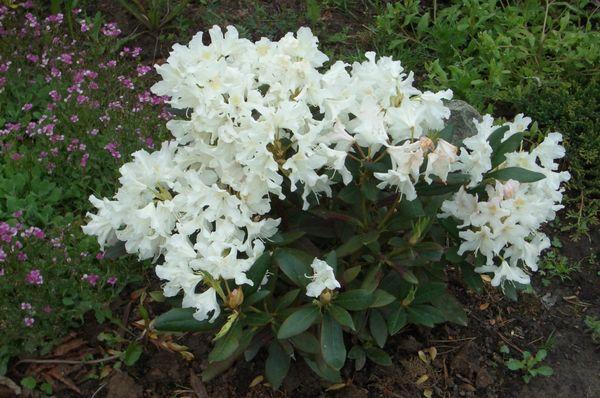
<point x="425" y="315"/>
<point x="323" y="371"/>
<point x="354" y="300"/>
<point x="285" y="238"/>
<point x="429" y="291"/>
<point x="286" y="300"/>
<point x="451" y="309"/>
<point x="257" y="272"/>
<point x="216" y="368"/>
<point x="256" y="297"/>
<point x="332" y="342"/>
<point x="277" y="365"/>
<point x="356" y="243"/>
<point x="182" y="320"/>
<point x="471" y="278"/>
<point x="298" y="322"/>
<point x="378" y="328"/>
<point x="227" y="345"/>
<point x="132" y="354"/>
<point x="306" y="342"/>
<point x="496" y="137"/>
<point x="396" y="320"/>
<point x="381" y="298"/>
<point x="378" y="356"/>
<point x="258" y="318"/>
<point x="295" y="264"/>
<point x="515" y="173"/>
<point x="342" y="316"/>
<point x="510" y="145"/>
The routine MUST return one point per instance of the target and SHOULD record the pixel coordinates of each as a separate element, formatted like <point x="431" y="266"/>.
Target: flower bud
<point x="325" y="297"/>
<point x="426" y="144"/>
<point x="235" y="298"/>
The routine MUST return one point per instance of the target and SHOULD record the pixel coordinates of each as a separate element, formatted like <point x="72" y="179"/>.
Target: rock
<point x="462" y="115"/>
<point x="121" y="385"/>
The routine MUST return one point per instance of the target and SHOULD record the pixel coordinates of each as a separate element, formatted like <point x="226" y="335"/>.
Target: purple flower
<point x="28" y="321"/>
<point x="110" y="29"/>
<point x="34" y="277"/>
<point x="112" y="280"/>
<point x="92" y="279"/>
<point x="25" y="306"/>
<point x="27" y="107"/>
<point x="18" y="214"/>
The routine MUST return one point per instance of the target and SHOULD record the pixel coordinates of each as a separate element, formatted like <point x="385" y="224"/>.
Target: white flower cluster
<point x="260" y="115"/>
<point x="504" y="228"/>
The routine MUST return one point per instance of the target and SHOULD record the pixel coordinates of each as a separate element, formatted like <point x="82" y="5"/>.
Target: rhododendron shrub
<point x="315" y="211"/>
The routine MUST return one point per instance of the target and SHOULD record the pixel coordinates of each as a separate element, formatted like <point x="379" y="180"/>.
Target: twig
<point x="70" y="361"/>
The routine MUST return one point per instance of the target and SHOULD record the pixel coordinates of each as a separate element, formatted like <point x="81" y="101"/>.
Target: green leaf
<point x="514" y="364"/>
<point x="182" y="320"/>
<point x="451" y="309"/>
<point x="227" y="345"/>
<point x="359" y="355"/>
<point x="510" y="145"/>
<point x="356" y="243"/>
<point x="332" y="342"/>
<point x="331" y="260"/>
<point x="541" y="355"/>
<point x="306" y="342"/>
<point x="342" y="316"/>
<point x="256" y="297"/>
<point x="295" y="264"/>
<point x="298" y="322"/>
<point x="396" y="320"/>
<point x="515" y="173"/>
<point x="323" y="371"/>
<point x="409" y="276"/>
<point x="496" y="137"/>
<point x="350" y="194"/>
<point x="257" y="318"/>
<point x="285" y="238"/>
<point x="471" y="278"/>
<point x="29" y="383"/>
<point x="425" y="315"/>
<point x="132" y="354"/>
<point x="378" y="328"/>
<point x="277" y="365"/>
<point x="286" y="300"/>
<point x="429" y="291"/>
<point x="545" y="370"/>
<point x="257" y="272"/>
<point x="351" y="273"/>
<point x="378" y="356"/>
<point x="115" y="251"/>
<point x="216" y="368"/>
<point x="354" y="300"/>
<point x="381" y="298"/>
<point x="369" y="190"/>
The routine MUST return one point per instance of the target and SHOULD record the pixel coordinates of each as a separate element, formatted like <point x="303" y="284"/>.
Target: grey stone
<point x="461" y="116"/>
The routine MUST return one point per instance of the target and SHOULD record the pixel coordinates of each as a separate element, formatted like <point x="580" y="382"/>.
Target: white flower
<point x="440" y="161"/>
<point x="204" y="303"/>
<point x="323" y="278"/>
<point x="505" y="273"/>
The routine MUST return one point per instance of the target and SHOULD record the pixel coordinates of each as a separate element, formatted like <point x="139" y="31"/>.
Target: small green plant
<point x="556" y="265"/>
<point x="530" y="366"/>
<point x="31" y="384"/>
<point x="155" y="15"/>
<point x="593" y="325"/>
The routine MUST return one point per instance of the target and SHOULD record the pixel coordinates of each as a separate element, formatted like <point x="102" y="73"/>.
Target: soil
<point x="468" y="361"/>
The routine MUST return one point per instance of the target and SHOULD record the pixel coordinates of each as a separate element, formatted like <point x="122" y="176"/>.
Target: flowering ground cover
<point x="76" y="102"/>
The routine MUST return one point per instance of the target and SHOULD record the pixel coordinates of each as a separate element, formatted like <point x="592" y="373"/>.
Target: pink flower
<point x="74" y="118"/>
<point x="84" y="160"/>
<point x="18" y="214"/>
<point x="34" y="277"/>
<point x="110" y="29"/>
<point x="2" y="272"/>
<point x="143" y="69"/>
<point x="25" y="306"/>
<point x="47" y="309"/>
<point x="27" y="107"/>
<point x="21" y="256"/>
<point x="16" y="156"/>
<point x="92" y="279"/>
<point x="100" y="256"/>
<point x="28" y="321"/>
<point x="112" y="280"/>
